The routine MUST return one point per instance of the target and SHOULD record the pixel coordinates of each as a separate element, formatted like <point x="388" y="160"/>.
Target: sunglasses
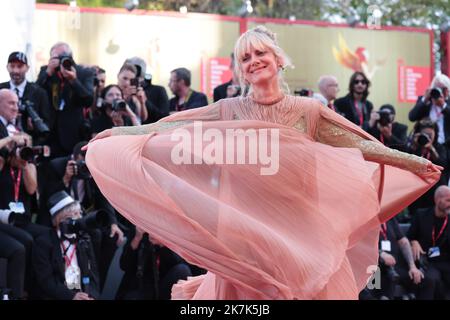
<point x="360" y="81"/>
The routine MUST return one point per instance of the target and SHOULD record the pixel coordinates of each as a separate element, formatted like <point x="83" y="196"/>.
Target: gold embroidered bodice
<point x="290" y="111"/>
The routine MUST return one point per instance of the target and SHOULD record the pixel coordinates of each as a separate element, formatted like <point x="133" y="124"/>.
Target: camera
<point x="303" y="93"/>
<point x="38" y="123"/>
<point x="82" y="170"/>
<point x="66" y="61"/>
<point x="436" y="93"/>
<point x="385" y="117"/>
<point x="30" y="153"/>
<point x="92" y="220"/>
<point x="119" y="105"/>
<point x="135" y="82"/>
<point x="423" y="139"/>
<point x="13" y="218"/>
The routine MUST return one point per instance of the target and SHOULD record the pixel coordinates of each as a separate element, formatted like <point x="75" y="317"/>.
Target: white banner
<point x="16" y="21"/>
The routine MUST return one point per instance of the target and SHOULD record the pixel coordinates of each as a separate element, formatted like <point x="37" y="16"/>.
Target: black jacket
<point x="145" y="256"/>
<point x="196" y="100"/>
<point x="38" y="97"/>
<point x="49" y="267"/>
<point x="346" y="107"/>
<point x="67" y="124"/>
<point x="157" y="102"/>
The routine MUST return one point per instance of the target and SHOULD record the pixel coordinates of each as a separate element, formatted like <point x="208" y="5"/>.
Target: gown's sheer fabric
<point x="309" y="231"/>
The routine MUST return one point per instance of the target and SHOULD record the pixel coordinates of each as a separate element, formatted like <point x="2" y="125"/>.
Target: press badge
<point x="386" y="245"/>
<point x="434" y="252"/>
<point x="17" y="207"/>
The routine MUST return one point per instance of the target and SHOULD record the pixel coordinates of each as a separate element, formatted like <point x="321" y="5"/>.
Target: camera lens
<point x="26" y="153"/>
<point x="423" y="139"/>
<point x="66" y="62"/>
<point x="119" y="105"/>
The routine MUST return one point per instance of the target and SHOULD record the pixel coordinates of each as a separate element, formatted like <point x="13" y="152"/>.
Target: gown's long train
<point x="308" y="232"/>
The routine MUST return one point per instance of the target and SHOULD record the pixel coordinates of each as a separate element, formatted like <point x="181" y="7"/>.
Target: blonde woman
<point x="308" y="229"/>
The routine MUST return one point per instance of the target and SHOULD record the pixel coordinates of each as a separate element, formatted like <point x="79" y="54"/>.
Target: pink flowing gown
<point x="310" y="231"/>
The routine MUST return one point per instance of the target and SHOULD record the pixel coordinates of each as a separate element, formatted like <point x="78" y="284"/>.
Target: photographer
<point x="70" y="89"/>
<point x="157" y="102"/>
<point x="34" y="108"/>
<point x="71" y="175"/>
<point x="150" y="269"/>
<point x="133" y="94"/>
<point x="64" y="258"/>
<point x="382" y="126"/>
<point x="423" y="143"/>
<point x="433" y="105"/>
<point x="430" y="240"/>
<point x="114" y="111"/>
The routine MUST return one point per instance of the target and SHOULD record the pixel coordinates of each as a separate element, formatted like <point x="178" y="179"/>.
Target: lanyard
<point x="360" y="113"/>
<point x="384" y="231"/>
<point x="440" y="232"/>
<point x="66" y="259"/>
<point x="16" y="181"/>
<point x="181" y="107"/>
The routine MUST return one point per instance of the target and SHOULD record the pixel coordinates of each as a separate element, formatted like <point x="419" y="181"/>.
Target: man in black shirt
<point x="185" y="98"/>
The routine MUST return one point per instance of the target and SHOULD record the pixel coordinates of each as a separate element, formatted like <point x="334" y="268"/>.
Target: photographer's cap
<point x="17" y="56"/>
<point x="59" y="201"/>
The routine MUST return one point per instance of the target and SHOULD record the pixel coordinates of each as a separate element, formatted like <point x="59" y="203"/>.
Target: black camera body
<point x="436" y="93"/>
<point x="423" y="139"/>
<point x="91" y="221"/>
<point x="385" y="117"/>
<point x="30" y="153"/>
<point x="82" y="170"/>
<point x="66" y="61"/>
<point x="303" y="93"/>
<point x="117" y="105"/>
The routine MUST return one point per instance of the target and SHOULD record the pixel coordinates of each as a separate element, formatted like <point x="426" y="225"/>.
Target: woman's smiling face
<point x="259" y="65"/>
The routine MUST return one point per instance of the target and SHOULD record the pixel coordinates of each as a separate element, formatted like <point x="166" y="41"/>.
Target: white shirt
<point x="9" y="127"/>
<point x="70" y="251"/>
<point x="437" y="116"/>
<point x="20" y="87"/>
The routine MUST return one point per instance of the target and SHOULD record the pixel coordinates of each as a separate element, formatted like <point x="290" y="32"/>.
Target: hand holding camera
<point x="69" y="74"/>
<point x="52" y="66"/>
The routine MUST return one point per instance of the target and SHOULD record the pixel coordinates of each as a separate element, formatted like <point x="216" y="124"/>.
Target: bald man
<point x="329" y="88"/>
<point x="9" y="110"/>
<point x="430" y="240"/>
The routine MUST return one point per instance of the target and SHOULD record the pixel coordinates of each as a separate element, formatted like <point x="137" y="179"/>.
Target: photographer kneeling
<point x="115" y="112"/>
<point x="71" y="175"/>
<point x="382" y="125"/>
<point x="64" y="258"/>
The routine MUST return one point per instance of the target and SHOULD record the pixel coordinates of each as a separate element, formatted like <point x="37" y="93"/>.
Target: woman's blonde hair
<point x="260" y="38"/>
